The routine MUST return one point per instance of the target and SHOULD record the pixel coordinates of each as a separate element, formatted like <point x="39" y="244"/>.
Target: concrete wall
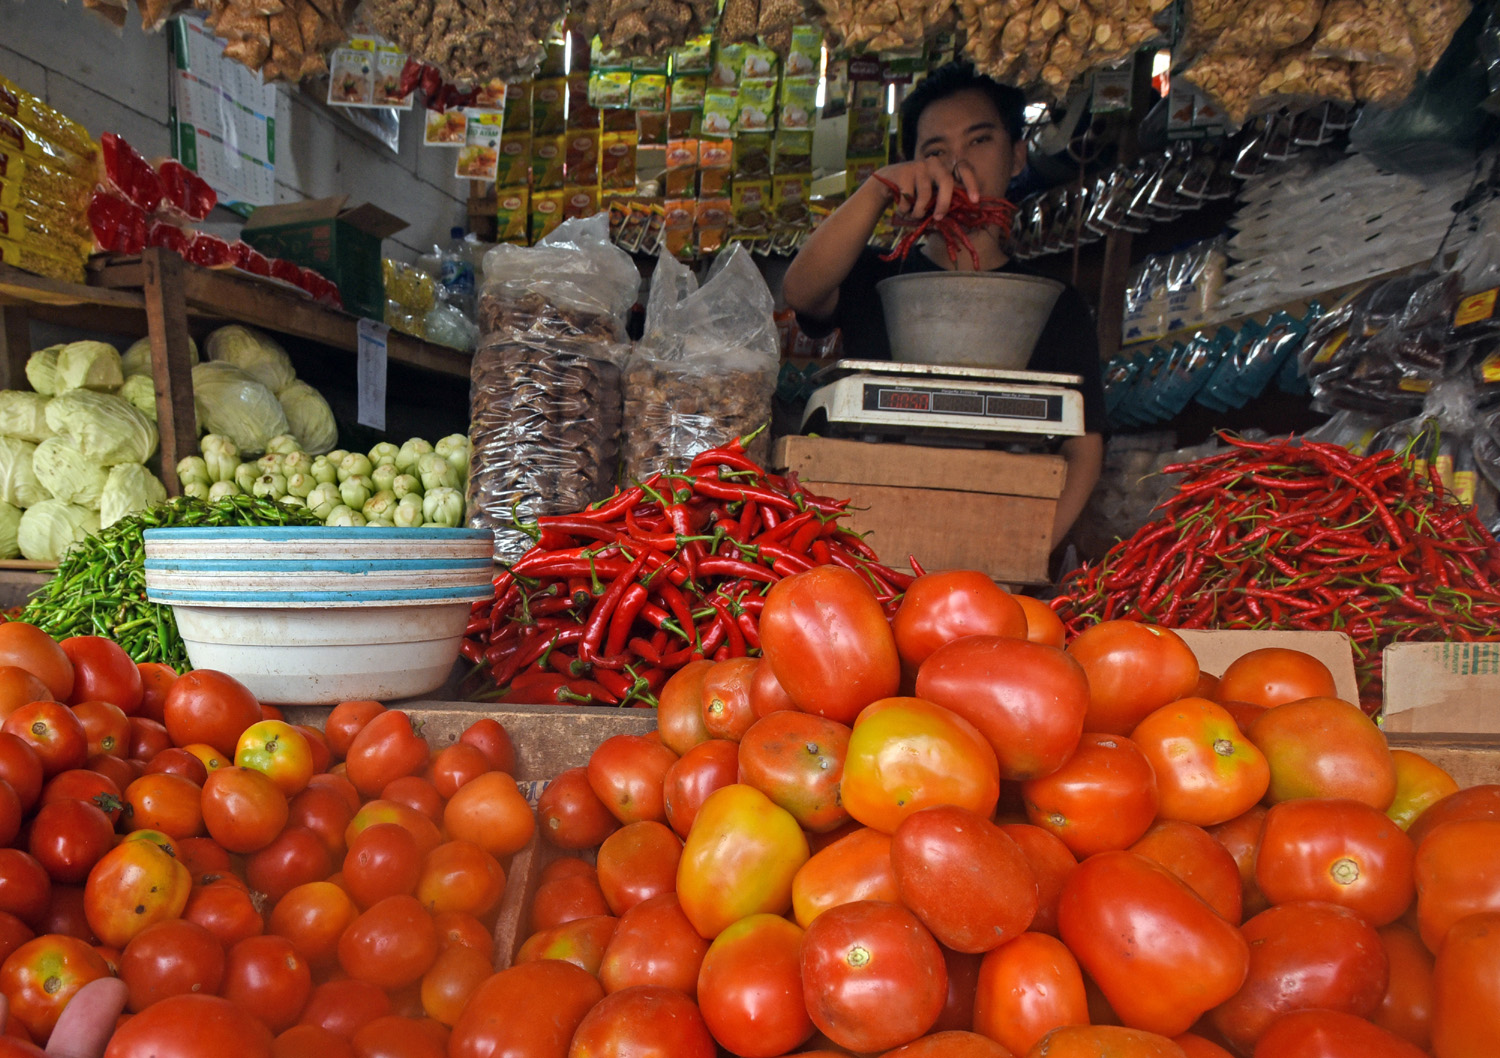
<point x="118" y="82"/>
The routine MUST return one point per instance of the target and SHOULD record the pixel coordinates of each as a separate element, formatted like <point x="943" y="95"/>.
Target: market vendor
<point x="957" y="127"/>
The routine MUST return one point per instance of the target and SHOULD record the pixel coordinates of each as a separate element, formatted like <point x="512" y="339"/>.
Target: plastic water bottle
<point x="456" y="272"/>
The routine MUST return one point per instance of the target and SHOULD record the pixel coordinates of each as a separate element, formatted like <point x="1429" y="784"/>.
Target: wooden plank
<point x="1112" y="285"/>
<point x="171" y="361"/>
<point x="1472" y="760"/>
<point x="23" y="286"/>
<point x="15" y="346"/>
<point x="919" y="467"/>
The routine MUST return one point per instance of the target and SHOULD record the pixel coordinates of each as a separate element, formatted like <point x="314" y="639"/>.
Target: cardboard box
<point x="1215" y="651"/>
<point x="341" y="244"/>
<point x="951" y="508"/>
<point x="1442" y="687"/>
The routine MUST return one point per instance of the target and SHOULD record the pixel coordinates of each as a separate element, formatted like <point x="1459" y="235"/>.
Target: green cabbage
<point x="130" y="488"/>
<point x="232" y="403"/>
<point x="10" y="522"/>
<point x="18" y="484"/>
<point x="257" y="354"/>
<point x="106" y="428"/>
<point x="310" y="416"/>
<point x="137" y="359"/>
<point x="88" y="365"/>
<point x="67" y="473"/>
<point x="50" y="527"/>
<point x="23" y="414"/>
<point x="41" y="370"/>
<point x="140" y="390"/>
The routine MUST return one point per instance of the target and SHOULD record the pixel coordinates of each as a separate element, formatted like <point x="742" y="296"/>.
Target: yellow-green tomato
<point x="279" y="751"/>
<point x="740" y="857"/>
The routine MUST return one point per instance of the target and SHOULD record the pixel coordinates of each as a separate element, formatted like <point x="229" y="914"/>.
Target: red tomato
<point x="13" y="934"/>
<point x="739" y="859"/>
<point x="1466" y="989"/>
<point x="565" y="900"/>
<point x="1197" y="1047"/>
<point x="489" y="736"/>
<point x="1051" y="862"/>
<point x="872" y="976"/>
<point x="963" y="979"/>
<point x="529" y="1010"/>
<point x="856" y="867"/>
<point x="103" y="672"/>
<point x="345" y="1006"/>
<point x="242" y="809"/>
<point x="52" y="731"/>
<point x="132" y="886"/>
<point x="626" y="771"/>
<point x="1198" y="861"/>
<point x="1207" y="772"/>
<point x="1420" y="784"/>
<point x="939" y="608"/>
<point x="1273" y="676"/>
<point x="1406" y="1009"/>
<point x="391" y="944"/>
<point x="1241" y="837"/>
<point x="954" y="1043"/>
<point x="1322" y="747"/>
<point x="313" y="916"/>
<point x="1133" y="670"/>
<point x="178" y="762"/>
<point x="279" y="751"/>
<point x="828" y="642"/>
<point x="654" y="944"/>
<point x="797" y="760"/>
<point x="310" y="1041"/>
<point x="1042" y="623"/>
<point x="906" y="754"/>
<point x="1457" y="866"/>
<point x="170" y="959"/>
<point x="209" y="707"/>
<point x="148" y="738"/>
<point x="968" y="882"/>
<point x="570" y="815"/>
<point x="42" y="975"/>
<point x="1340" y="852"/>
<point x="454" y="765"/>
<point x="767" y="695"/>
<point x="1330" y="1034"/>
<point x="372" y="812"/>
<point x="385" y="748"/>
<point x="726" y="698"/>
<point x="581" y="942"/>
<point x="491" y="813"/>
<point x="168" y="803"/>
<point x="1091" y="1041"/>
<point x="1476" y="802"/>
<point x="346" y="720"/>
<point x="460" y="876"/>
<point x="294" y="857"/>
<point x="1161" y="956"/>
<point x="704" y="768"/>
<point x="1103" y="798"/>
<point x="1027" y="988"/>
<point x="679" y="712"/>
<point x="156" y="680"/>
<point x="452" y="980"/>
<point x="1026" y="699"/>
<point x="19" y="687"/>
<point x="1303" y="957"/>
<point x="225" y="910"/>
<point x="105" y="727"/>
<point x="25" y="886"/>
<point x="189" y="1027"/>
<point x="22" y="768"/>
<point x="416" y="793"/>
<point x="326" y="813"/>
<point x="382" y="861"/>
<point x="646" y="1020"/>
<point x="268" y="977"/>
<point x="68" y="838"/>
<point x="28" y="647"/>
<point x="750" y="987"/>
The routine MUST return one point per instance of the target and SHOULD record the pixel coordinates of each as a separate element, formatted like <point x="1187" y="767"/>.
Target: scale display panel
<point x="923" y="400"/>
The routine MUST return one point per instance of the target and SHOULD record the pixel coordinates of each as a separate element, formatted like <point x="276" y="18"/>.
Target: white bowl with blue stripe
<point x="313" y="615"/>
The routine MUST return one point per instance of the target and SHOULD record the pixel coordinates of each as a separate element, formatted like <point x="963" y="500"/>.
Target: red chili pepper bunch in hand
<point x="611" y="601"/>
<point x="1301" y="535"/>
<point x="964" y="215"/>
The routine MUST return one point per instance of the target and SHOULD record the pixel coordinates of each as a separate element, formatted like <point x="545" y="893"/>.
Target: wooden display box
<point x="951" y="508"/>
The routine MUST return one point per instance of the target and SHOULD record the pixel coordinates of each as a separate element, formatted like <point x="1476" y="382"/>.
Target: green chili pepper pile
<point x="100" y="585"/>
<point x="1302" y="536"/>
<point x="612" y="600"/>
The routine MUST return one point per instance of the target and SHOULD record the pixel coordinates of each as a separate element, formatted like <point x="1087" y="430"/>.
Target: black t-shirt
<point x="1068" y="344"/>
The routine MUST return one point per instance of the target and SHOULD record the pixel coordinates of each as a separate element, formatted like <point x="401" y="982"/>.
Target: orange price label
<point x="1475" y="307"/>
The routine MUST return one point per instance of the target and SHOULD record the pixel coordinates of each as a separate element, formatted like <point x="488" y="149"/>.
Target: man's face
<point x="966" y="127"/>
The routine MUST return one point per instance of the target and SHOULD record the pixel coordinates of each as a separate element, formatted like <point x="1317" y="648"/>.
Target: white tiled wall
<point x="117" y="82"/>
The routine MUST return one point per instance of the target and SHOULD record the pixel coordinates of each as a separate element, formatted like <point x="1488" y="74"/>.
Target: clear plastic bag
<point x="705" y="368"/>
<point x="545" y="396"/>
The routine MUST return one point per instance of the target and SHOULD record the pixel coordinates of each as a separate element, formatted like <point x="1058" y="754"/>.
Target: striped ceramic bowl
<point x="316" y="615"/>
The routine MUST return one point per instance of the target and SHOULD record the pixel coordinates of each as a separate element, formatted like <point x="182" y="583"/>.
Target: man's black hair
<point x="949" y="80"/>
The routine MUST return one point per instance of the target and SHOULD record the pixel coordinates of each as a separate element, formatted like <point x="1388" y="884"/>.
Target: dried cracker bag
<point x="1433" y="23"/>
<point x="1371" y="31"/>
<point x="1272" y="25"/>
<point x="1300" y="75"/>
<point x="1204" y="20"/>
<point x="1385" y="84"/>
<point x="1230" y="79"/>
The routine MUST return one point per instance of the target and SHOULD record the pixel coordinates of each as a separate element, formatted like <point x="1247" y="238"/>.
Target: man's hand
<point x="926" y="185"/>
<point x="87" y="1022"/>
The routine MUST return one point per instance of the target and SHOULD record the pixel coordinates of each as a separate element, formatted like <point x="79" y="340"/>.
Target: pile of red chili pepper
<point x="964" y="215"/>
<point x="1302" y="535"/>
<point x="611" y="601"/>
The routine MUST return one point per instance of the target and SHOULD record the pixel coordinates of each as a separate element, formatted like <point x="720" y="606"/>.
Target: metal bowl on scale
<point x="966" y="319"/>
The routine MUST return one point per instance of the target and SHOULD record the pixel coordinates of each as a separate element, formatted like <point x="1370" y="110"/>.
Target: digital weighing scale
<point x="874" y="399"/>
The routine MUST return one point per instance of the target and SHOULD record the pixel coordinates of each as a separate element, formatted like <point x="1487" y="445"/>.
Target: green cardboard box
<point x="341" y="244"/>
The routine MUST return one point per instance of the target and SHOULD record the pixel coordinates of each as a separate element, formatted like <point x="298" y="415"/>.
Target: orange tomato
<point x="1273" y="676"/>
<point x="490" y="812"/>
<point x="1133" y="670"/>
<point x="1207" y="771"/>
<point x="1028" y="987"/>
<point x="1324" y="747"/>
<point x="1420" y="784"/>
